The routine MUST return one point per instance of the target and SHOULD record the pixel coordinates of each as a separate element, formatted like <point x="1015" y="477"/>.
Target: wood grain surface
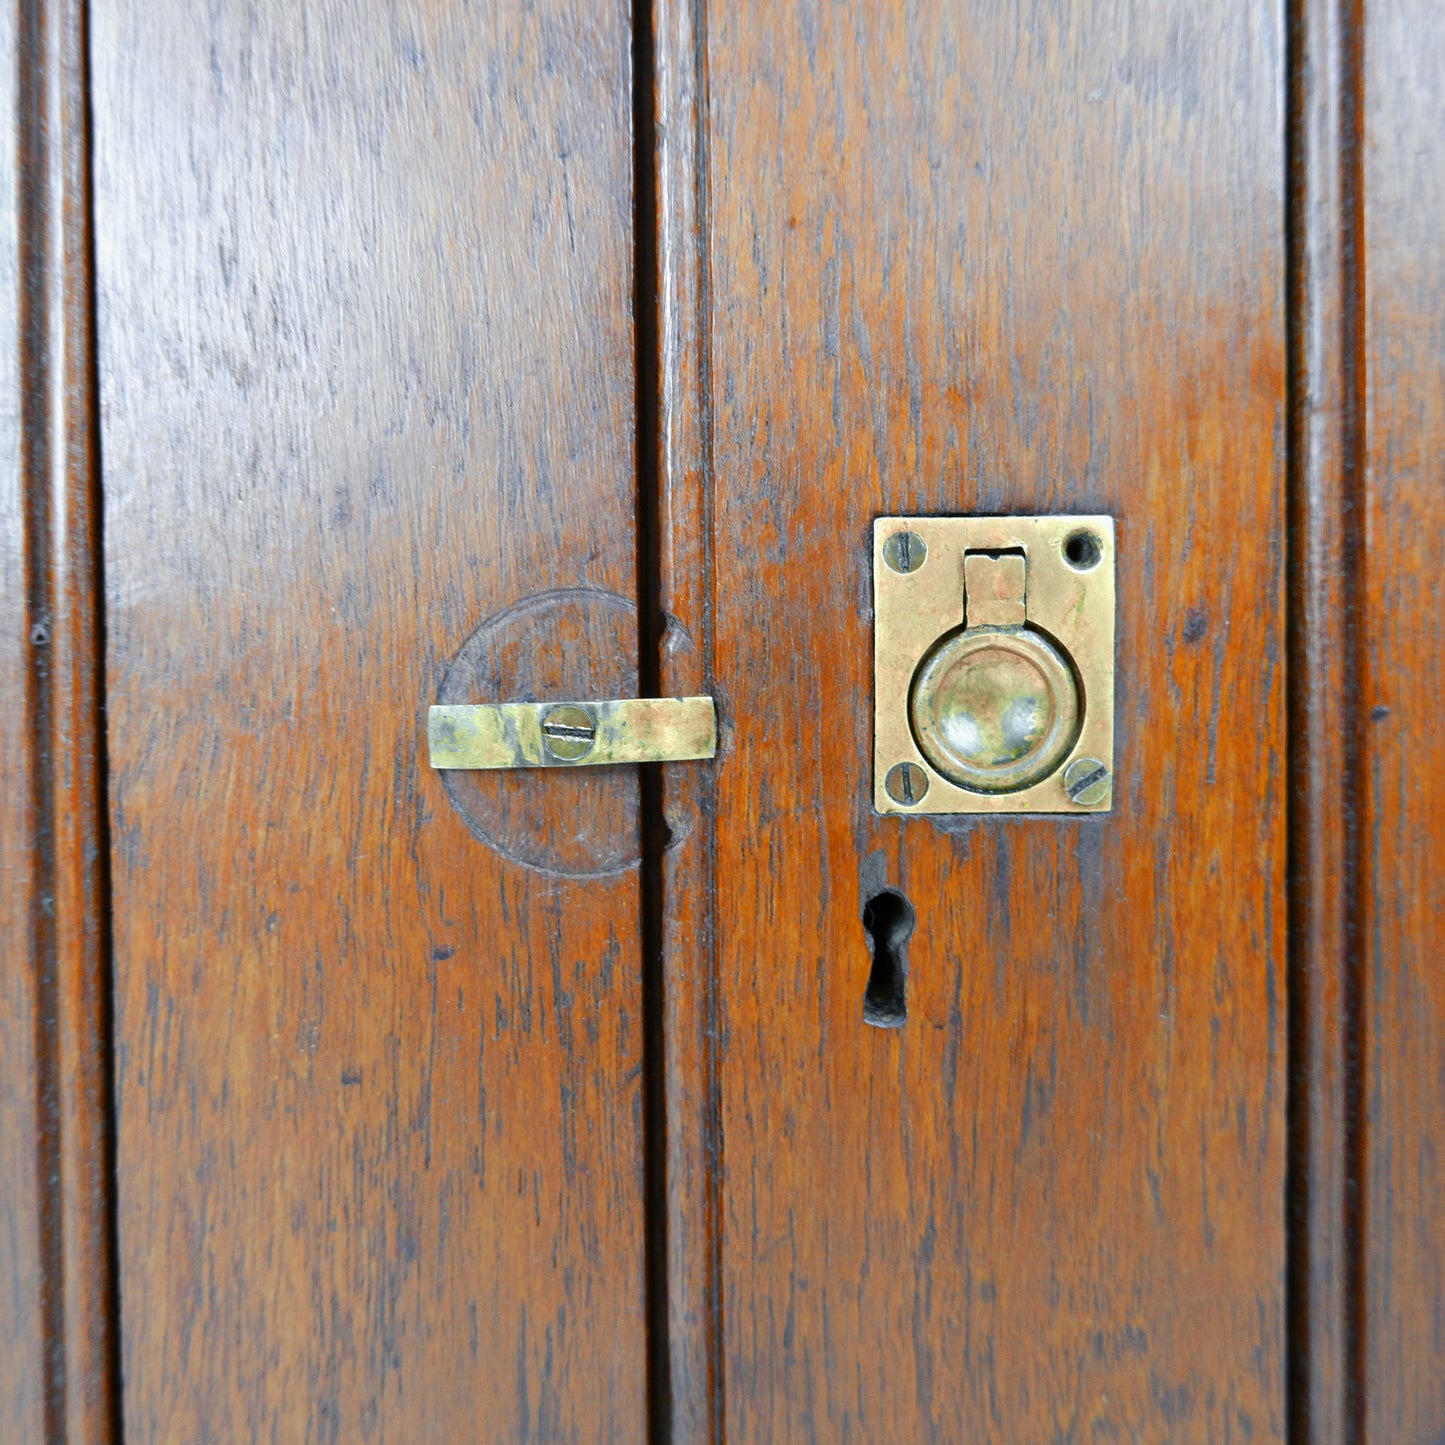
<point x="368" y="380"/>
<point x="691" y="1410"/>
<point x="69" y="1307"/>
<point x="22" y="1340"/>
<point x="1402" y="823"/>
<point x="385" y="1161"/>
<point x="1016" y="258"/>
<point x="1325" y="551"/>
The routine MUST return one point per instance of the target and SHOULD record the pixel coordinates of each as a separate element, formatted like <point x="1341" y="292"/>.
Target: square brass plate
<point x="919" y="599"/>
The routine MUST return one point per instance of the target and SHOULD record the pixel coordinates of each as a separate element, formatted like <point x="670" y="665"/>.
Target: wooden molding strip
<point x="1326" y="543"/>
<point x="693" y="1141"/>
<point x="65" y="742"/>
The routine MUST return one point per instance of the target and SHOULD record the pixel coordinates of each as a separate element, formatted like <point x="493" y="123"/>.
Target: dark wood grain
<point x="693" y="1178"/>
<point x="65" y="1297"/>
<point x="1325" y="549"/>
<point x="1020" y="258"/>
<point x="22" y="1355"/>
<point x="367" y="381"/>
<point x="1402" y="822"/>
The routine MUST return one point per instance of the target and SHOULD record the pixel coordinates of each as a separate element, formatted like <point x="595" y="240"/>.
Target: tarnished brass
<point x="905" y="551"/>
<point x="1087" y="780"/>
<point x="906" y="783"/>
<point x="994" y="665"/>
<point x="572" y="734"/>
<point x="993" y="590"/>
<point x="994" y="709"/>
<point x="569" y="732"/>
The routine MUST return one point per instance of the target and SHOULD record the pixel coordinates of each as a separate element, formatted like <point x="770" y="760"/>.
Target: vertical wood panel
<point x="1018" y="258"/>
<point x="22" y="1368"/>
<point x="684" y="562"/>
<point x="367" y="379"/>
<point x="1325" y="548"/>
<point x="73" y="1315"/>
<point x="1402" y="822"/>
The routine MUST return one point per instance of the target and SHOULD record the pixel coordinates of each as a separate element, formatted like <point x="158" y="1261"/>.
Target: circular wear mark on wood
<point x="553" y="647"/>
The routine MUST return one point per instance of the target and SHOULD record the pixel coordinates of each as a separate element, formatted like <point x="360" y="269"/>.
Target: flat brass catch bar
<point x="572" y="734"/>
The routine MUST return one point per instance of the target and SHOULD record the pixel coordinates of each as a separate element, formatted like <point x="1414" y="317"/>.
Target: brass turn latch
<point x="572" y="734"/>
<point x="993" y="664"/>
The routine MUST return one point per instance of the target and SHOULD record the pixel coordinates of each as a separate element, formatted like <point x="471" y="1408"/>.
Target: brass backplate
<point x="920" y="598"/>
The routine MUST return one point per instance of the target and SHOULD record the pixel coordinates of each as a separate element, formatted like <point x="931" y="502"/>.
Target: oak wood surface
<point x="1018" y="258"/>
<point x="1402" y="824"/>
<point x="367" y="378"/>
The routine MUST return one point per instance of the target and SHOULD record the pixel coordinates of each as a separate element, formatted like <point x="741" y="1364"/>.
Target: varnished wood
<point x="1325" y="548"/>
<point x="1401" y="821"/>
<point x="367" y="373"/>
<point x="22" y="1354"/>
<point x="1015" y="258"/>
<point x="692" y="1158"/>
<point x="63" y="1299"/>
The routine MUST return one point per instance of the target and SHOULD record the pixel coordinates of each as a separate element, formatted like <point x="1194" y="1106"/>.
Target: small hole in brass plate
<point x="888" y="920"/>
<point x="1083" y="550"/>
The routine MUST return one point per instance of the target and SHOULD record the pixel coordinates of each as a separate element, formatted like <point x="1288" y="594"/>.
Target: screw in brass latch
<point x="993" y="664"/>
<point x="568" y="732"/>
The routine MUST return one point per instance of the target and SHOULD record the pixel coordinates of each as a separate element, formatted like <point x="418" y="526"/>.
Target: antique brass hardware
<point x="572" y="734"/>
<point x="993" y="664"/>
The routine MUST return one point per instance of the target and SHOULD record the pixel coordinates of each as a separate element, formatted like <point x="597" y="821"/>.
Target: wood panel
<point x="22" y="1366"/>
<point x="691" y="1412"/>
<point x="67" y="1306"/>
<point x="368" y="380"/>
<point x="1018" y="258"/>
<point x="1324" y="553"/>
<point x="1402" y="826"/>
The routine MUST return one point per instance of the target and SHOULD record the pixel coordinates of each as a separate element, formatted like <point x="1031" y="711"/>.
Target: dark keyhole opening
<point x="888" y="920"/>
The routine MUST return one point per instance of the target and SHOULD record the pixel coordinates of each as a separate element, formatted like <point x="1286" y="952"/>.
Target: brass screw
<point x="568" y="732"/>
<point x="906" y="783"/>
<point x="1086" y="781"/>
<point x="905" y="552"/>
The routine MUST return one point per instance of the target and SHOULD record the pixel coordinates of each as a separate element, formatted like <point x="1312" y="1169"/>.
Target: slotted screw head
<point x="568" y="732"/>
<point x="1086" y="781"/>
<point x="906" y="783"/>
<point x="905" y="552"/>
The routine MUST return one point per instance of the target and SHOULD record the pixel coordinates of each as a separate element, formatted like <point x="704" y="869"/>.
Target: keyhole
<point x="888" y="920"/>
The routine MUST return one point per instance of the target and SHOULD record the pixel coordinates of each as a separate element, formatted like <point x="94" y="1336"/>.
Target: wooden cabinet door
<point x="366" y="384"/>
<point x="981" y="259"/>
<point x="366" y="357"/>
